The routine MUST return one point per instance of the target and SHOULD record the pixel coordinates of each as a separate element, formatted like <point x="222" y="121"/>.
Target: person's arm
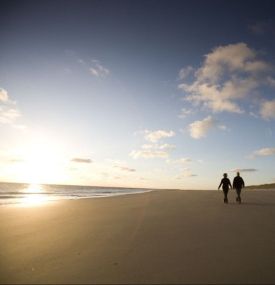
<point x="230" y="184"/>
<point x="234" y="183"/>
<point x="220" y="185"/>
<point x="243" y="183"/>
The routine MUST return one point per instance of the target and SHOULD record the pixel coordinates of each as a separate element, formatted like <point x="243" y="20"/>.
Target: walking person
<point x="238" y="184"/>
<point x="225" y="183"/>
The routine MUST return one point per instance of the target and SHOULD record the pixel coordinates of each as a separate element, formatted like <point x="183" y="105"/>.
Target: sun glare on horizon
<point x="42" y="162"/>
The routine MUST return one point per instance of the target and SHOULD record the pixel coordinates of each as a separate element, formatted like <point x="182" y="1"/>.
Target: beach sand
<point x="156" y="237"/>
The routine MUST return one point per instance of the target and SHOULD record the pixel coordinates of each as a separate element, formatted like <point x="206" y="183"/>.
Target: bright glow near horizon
<point x="104" y="98"/>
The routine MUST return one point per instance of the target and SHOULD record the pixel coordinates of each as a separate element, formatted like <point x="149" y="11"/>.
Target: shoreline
<point x="166" y="236"/>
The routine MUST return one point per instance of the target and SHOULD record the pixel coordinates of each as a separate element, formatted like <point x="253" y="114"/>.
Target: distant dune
<point x="262" y="186"/>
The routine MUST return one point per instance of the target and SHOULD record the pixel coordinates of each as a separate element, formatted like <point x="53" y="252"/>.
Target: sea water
<point x="26" y="194"/>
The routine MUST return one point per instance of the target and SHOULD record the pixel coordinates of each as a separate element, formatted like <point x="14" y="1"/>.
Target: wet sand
<point x="157" y="237"/>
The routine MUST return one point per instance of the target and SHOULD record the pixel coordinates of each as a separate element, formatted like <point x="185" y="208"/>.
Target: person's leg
<point x="238" y="190"/>
<point x="225" y="191"/>
<point x="239" y="195"/>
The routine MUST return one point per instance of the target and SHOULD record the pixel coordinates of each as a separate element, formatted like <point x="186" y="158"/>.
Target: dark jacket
<point x="238" y="182"/>
<point x="225" y="182"/>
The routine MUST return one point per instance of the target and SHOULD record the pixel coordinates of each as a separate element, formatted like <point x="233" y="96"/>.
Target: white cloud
<point x="153" y="151"/>
<point x="8" y="115"/>
<point x="98" y="70"/>
<point x="183" y="160"/>
<point x="186" y="172"/>
<point x="199" y="129"/>
<point x="8" y="111"/>
<point x="185" y="72"/>
<point x="154" y="136"/>
<point x="267" y="109"/>
<point x="228" y="75"/>
<point x="150" y="153"/>
<point x="185" y="112"/>
<point x="3" y="95"/>
<point x="268" y="151"/>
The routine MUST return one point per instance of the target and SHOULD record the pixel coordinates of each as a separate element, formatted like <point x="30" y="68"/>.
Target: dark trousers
<point x="238" y="191"/>
<point x="225" y="192"/>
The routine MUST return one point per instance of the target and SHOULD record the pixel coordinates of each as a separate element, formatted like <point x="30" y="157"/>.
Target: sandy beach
<point x="156" y="237"/>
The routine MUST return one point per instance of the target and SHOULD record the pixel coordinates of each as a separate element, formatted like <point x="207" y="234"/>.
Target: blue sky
<point x="166" y="94"/>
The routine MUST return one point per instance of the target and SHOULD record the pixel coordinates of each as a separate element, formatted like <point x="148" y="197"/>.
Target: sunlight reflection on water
<point x="34" y="196"/>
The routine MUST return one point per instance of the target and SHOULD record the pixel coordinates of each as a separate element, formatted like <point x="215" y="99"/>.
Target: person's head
<point x="238" y="173"/>
<point x="225" y="175"/>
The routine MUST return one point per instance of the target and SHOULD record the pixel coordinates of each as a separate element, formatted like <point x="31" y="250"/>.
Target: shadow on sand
<point x="257" y="204"/>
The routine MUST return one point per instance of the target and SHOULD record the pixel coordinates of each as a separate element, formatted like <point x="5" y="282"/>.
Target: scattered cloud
<point x="199" y="129"/>
<point x="228" y="75"/>
<point x="183" y="160"/>
<point x="243" y="170"/>
<point x="186" y="72"/>
<point x="98" y="70"/>
<point x="150" y="153"/>
<point x="153" y="151"/>
<point x="81" y="160"/>
<point x="165" y="146"/>
<point x="185" y="112"/>
<point x="186" y="172"/>
<point x="125" y="168"/>
<point x="268" y="151"/>
<point x="270" y="81"/>
<point x="267" y="109"/>
<point x="9" y="113"/>
<point x="154" y="136"/>
<point x="121" y="165"/>
<point x="94" y="66"/>
<point x="3" y="95"/>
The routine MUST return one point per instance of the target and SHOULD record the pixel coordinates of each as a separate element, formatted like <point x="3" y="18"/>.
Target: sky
<point x="155" y="94"/>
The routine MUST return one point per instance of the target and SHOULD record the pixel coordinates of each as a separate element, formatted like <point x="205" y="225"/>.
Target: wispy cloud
<point x="9" y="112"/>
<point x="154" y="136"/>
<point x="267" y="109"/>
<point x="186" y="172"/>
<point x="3" y="95"/>
<point x="8" y="115"/>
<point x="98" y="70"/>
<point x="121" y="165"/>
<point x="81" y="160"/>
<point x="267" y="151"/>
<point x="228" y="75"/>
<point x="243" y="170"/>
<point x="150" y="153"/>
<point x="153" y="151"/>
<point x="165" y="147"/>
<point x="94" y="66"/>
<point x="180" y="161"/>
<point x="125" y="168"/>
<point x="185" y="72"/>
<point x="199" y="129"/>
<point x="185" y="112"/>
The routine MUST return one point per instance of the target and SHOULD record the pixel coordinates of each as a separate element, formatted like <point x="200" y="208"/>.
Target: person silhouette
<point x="238" y="184"/>
<point x="225" y="183"/>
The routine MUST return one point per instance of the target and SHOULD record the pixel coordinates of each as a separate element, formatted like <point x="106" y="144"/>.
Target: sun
<point x="42" y="162"/>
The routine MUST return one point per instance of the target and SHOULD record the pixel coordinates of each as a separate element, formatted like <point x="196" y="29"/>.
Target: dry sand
<point x="157" y="237"/>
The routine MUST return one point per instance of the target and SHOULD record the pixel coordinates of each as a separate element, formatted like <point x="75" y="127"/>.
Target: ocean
<point x="32" y="194"/>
